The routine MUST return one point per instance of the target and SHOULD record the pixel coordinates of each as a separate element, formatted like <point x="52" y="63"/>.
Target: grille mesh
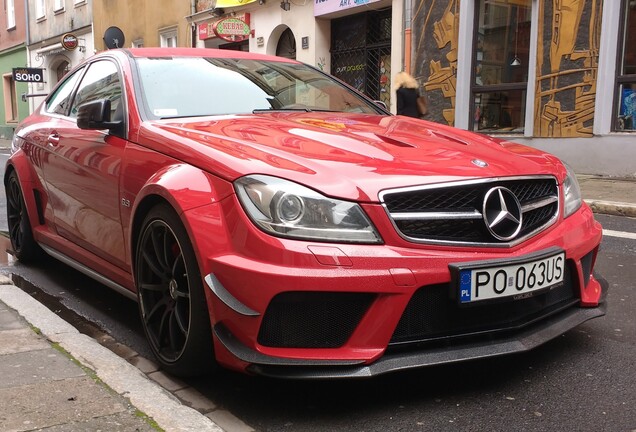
<point x="312" y="319"/>
<point x="432" y="314"/>
<point x="466" y="198"/>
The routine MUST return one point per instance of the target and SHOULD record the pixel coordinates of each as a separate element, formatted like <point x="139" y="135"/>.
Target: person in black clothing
<point x="407" y="95"/>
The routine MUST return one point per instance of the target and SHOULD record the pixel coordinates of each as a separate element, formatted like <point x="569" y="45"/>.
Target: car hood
<point x="352" y="156"/>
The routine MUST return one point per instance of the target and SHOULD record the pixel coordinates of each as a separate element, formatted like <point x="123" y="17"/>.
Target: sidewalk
<point x="606" y="195"/>
<point x="56" y="379"/>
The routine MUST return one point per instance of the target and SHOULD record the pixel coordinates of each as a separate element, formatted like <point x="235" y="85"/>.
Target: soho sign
<point x="28" y="75"/>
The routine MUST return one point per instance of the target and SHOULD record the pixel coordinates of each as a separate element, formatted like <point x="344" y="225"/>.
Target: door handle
<point x="53" y="139"/>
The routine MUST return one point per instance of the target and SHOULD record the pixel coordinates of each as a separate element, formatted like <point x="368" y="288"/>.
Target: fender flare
<point x="28" y="181"/>
<point x="183" y="187"/>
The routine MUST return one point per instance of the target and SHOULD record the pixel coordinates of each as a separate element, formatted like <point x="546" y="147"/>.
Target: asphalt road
<point x="582" y="381"/>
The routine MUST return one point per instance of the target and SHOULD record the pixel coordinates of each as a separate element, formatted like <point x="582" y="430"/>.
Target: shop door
<point x="361" y="52"/>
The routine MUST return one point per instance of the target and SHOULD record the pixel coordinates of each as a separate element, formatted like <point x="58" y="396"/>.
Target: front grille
<point x="312" y="319"/>
<point x="433" y="314"/>
<point x="452" y="213"/>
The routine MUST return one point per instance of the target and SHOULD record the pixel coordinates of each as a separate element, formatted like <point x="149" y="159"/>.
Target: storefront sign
<point x="204" y="5"/>
<point x="209" y="29"/>
<point x="28" y="75"/>
<point x="69" y="41"/>
<point x="232" y="29"/>
<point x="323" y="7"/>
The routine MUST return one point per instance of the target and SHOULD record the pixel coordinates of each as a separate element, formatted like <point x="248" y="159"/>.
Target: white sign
<point x="323" y="7"/>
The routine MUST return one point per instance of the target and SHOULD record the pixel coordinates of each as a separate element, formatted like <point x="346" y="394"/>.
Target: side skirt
<point x="89" y="272"/>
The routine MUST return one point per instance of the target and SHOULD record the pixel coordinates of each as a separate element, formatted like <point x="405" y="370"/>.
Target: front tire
<point x="24" y="246"/>
<point x="172" y="302"/>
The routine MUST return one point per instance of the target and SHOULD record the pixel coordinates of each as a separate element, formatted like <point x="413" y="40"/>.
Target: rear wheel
<point x="172" y="303"/>
<point x="24" y="246"/>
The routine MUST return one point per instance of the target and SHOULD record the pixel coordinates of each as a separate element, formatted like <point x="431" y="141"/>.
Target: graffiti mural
<point x="436" y="64"/>
<point x="567" y="67"/>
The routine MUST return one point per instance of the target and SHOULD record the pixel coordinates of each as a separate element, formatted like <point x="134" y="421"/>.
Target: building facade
<point x="559" y="75"/>
<point x="151" y="23"/>
<point x="60" y="37"/>
<point x="13" y="54"/>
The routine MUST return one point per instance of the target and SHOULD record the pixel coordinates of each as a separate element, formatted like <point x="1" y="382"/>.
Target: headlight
<point x="572" y="193"/>
<point x="15" y="143"/>
<point x="287" y="209"/>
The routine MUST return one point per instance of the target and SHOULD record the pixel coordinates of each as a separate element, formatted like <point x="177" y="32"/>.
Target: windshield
<point x="195" y="86"/>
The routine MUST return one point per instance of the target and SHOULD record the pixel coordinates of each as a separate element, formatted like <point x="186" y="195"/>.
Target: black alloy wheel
<point x="24" y="246"/>
<point x="172" y="303"/>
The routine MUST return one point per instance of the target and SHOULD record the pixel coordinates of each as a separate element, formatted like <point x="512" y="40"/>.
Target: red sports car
<point x="270" y="219"/>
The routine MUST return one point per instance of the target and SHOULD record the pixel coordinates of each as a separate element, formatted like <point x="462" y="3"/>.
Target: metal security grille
<point x="361" y="52"/>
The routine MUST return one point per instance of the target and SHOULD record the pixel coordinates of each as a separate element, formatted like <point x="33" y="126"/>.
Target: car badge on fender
<point x="502" y="213"/>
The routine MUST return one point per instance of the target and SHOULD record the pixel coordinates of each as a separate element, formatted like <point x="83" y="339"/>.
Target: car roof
<point x="199" y="52"/>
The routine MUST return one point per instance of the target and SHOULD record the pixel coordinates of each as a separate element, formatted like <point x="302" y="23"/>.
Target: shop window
<point x="626" y="72"/>
<point x="10" y="99"/>
<point x="501" y="61"/>
<point x="361" y="52"/>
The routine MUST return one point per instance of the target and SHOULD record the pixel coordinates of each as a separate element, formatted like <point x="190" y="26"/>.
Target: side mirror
<point x="96" y="115"/>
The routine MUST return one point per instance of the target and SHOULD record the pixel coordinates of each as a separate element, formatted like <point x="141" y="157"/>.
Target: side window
<point x="60" y="101"/>
<point x="100" y="82"/>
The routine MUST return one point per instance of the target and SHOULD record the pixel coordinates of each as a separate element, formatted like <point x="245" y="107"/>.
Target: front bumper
<point x="525" y="340"/>
<point x="250" y="271"/>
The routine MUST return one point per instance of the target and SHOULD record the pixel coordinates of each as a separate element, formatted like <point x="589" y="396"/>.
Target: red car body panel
<point x="94" y="189"/>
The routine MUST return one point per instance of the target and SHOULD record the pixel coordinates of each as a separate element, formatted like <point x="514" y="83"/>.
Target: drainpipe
<point x="26" y="15"/>
<point x="27" y="36"/>
<point x="193" y="27"/>
<point x="407" y="36"/>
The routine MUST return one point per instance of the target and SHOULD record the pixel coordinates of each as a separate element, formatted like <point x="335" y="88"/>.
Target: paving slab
<point x="52" y="403"/>
<point x="120" y="422"/>
<point x="36" y="367"/>
<point x="20" y="340"/>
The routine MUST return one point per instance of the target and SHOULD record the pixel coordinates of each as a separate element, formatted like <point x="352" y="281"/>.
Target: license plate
<point x="514" y="280"/>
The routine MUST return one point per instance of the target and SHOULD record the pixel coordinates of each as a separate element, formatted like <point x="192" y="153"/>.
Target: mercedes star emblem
<point x="502" y="213"/>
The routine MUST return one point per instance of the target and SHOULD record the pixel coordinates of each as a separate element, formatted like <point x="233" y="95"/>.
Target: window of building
<point x="40" y="9"/>
<point x="10" y="99"/>
<point x="58" y="5"/>
<point x="626" y="71"/>
<point x="500" y="65"/>
<point x="138" y="43"/>
<point x="168" y="38"/>
<point x="10" y="14"/>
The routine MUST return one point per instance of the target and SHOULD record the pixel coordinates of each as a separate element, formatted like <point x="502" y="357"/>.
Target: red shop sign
<point x="69" y="41"/>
